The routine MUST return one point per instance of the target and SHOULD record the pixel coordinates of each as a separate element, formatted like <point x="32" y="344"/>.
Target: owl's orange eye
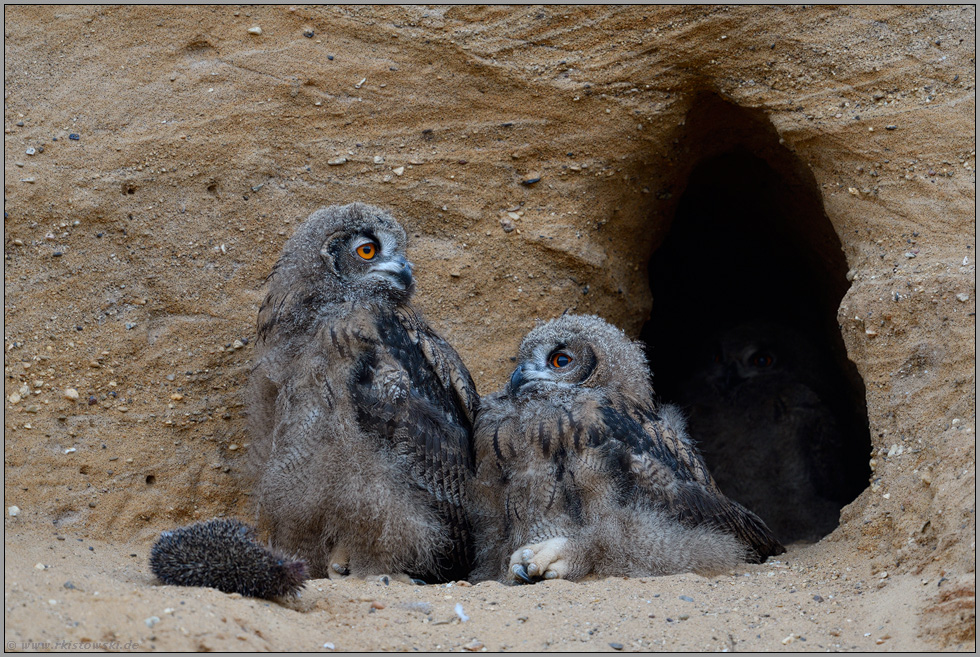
<point x="560" y="359"/>
<point x="762" y="360"/>
<point x="367" y="250"/>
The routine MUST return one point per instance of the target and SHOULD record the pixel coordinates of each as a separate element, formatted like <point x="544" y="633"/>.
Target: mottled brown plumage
<point x="580" y="471"/>
<point x="361" y="415"/>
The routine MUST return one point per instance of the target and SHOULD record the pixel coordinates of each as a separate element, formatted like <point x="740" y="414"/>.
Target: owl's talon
<point x="548" y="560"/>
<point x="521" y="573"/>
<point x="418" y="582"/>
<point x="340" y="569"/>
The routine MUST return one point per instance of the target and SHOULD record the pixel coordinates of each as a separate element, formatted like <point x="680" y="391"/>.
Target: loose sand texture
<point x="157" y="158"/>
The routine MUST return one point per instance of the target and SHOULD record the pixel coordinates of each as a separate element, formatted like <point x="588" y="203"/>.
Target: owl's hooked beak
<point x="731" y="376"/>
<point x="525" y="373"/>
<point x="399" y="269"/>
<point x="517" y="379"/>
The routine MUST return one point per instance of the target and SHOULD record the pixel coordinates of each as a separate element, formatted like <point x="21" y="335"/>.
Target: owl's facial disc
<point x="561" y="365"/>
<point x="372" y="258"/>
<point x="753" y="361"/>
<point x="383" y="261"/>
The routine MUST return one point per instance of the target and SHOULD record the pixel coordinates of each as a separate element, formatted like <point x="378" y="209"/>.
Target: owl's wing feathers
<point x="670" y="471"/>
<point x="444" y="361"/>
<point x="401" y="396"/>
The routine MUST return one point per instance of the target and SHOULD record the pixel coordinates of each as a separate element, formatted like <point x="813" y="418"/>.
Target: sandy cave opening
<point x="743" y="331"/>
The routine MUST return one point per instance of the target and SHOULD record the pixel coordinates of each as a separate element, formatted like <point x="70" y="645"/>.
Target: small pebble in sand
<point x="818" y="598"/>
<point x="616" y="646"/>
<point x="74" y="137"/>
<point x="337" y="161"/>
<point x="152" y="620"/>
<point x="459" y="612"/>
<point x="14" y="511"/>
<point x="398" y="171"/>
<point x="686" y="598"/>
<point x="473" y="646"/>
<point x="71" y="393"/>
<point x="30" y="151"/>
<point x="308" y="33"/>
<point x="421" y="607"/>
<point x="254" y="30"/>
<point x="963" y="297"/>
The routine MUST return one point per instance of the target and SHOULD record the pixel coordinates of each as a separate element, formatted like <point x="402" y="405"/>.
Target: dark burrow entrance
<point x="743" y="332"/>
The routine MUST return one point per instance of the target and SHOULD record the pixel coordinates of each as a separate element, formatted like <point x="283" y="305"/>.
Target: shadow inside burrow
<point x="743" y="331"/>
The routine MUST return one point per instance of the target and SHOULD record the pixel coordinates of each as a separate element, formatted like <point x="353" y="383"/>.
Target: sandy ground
<point x="67" y="588"/>
<point x="157" y="158"/>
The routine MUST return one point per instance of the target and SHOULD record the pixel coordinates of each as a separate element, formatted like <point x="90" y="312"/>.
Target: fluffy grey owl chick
<point x="580" y="472"/>
<point x="361" y="415"/>
<point x="765" y="409"/>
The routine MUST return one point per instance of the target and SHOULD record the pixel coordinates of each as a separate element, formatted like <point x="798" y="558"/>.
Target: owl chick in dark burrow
<point x="581" y="472"/>
<point x="361" y="415"/>
<point x="772" y="417"/>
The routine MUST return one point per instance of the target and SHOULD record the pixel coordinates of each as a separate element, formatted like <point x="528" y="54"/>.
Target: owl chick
<point x="361" y="415"/>
<point x="580" y="472"/>
<point x="768" y="413"/>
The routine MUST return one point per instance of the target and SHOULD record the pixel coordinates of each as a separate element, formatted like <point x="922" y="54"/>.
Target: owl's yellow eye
<point x="560" y="359"/>
<point x="367" y="250"/>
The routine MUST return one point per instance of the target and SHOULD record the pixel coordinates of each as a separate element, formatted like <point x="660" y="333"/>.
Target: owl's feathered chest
<point x="588" y="436"/>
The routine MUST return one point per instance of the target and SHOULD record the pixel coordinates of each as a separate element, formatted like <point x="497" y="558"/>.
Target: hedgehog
<point x="224" y="554"/>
